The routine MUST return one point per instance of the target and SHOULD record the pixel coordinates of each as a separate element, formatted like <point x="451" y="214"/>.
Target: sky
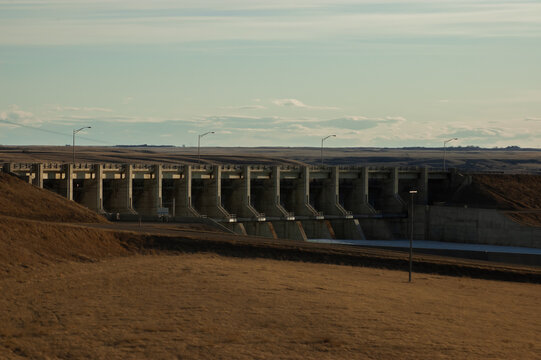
<point x="375" y="73"/>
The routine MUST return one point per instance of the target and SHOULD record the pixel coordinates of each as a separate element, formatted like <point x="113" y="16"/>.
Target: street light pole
<point x="322" y="140"/>
<point x="75" y="131"/>
<point x="199" y="145"/>
<point x="445" y="143"/>
<point x="412" y="192"/>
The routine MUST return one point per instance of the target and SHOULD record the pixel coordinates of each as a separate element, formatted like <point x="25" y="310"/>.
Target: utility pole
<point x="199" y="145"/>
<point x="322" y="140"/>
<point x="75" y="131"/>
<point x="445" y="143"/>
<point x="412" y="192"/>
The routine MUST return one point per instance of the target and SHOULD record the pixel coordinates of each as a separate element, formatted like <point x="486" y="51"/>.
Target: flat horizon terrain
<point x="465" y="159"/>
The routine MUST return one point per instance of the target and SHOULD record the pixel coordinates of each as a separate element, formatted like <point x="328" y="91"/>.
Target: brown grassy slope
<point x="28" y="244"/>
<point x="519" y="195"/>
<point x="511" y="192"/>
<point x="22" y="200"/>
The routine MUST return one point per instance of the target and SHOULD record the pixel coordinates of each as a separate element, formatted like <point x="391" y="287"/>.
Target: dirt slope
<point x="511" y="192"/>
<point x="519" y="195"/>
<point x="22" y="200"/>
<point x="31" y="245"/>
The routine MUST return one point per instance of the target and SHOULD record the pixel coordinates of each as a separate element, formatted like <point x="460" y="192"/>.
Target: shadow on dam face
<point x="54" y="186"/>
<point x="316" y="197"/>
<point x="111" y="188"/>
<point x="168" y="193"/>
<point x="198" y="187"/>
<point x="138" y="190"/>
<point x="258" y="188"/>
<point x="287" y="194"/>
<point x="229" y="194"/>
<point x="376" y="190"/>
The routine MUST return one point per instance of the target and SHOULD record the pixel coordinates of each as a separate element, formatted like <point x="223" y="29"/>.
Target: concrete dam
<point x="296" y="202"/>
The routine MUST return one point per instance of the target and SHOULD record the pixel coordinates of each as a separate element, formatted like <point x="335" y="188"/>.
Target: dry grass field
<point x="205" y="306"/>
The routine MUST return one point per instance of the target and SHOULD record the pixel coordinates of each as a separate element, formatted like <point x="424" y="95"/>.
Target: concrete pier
<point x="66" y="185"/>
<point x="266" y="197"/>
<point x="149" y="197"/>
<point x="210" y="201"/>
<point x="121" y="192"/>
<point x="92" y="194"/>
<point x="183" y="195"/>
<point x="37" y="169"/>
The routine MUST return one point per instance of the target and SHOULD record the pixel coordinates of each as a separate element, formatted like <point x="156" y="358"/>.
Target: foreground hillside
<point x="204" y="306"/>
<point x="35" y="229"/>
<point x="24" y="201"/>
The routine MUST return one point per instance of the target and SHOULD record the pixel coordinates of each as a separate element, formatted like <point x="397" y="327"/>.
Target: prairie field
<point x="202" y="305"/>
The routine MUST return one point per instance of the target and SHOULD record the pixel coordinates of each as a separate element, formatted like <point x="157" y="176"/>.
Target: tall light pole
<point x="412" y="192"/>
<point x="199" y="145"/>
<point x="75" y="131"/>
<point x="445" y="143"/>
<point x="322" y="140"/>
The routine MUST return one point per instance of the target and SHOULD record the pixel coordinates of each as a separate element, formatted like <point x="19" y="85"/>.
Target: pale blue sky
<point x="271" y="73"/>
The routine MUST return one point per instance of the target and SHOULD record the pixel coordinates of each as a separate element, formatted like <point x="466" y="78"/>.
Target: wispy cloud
<point x="294" y="103"/>
<point x="470" y="133"/>
<point x="81" y="109"/>
<point x="268" y="130"/>
<point x="15" y="115"/>
<point x="143" y="22"/>
<point x="247" y="107"/>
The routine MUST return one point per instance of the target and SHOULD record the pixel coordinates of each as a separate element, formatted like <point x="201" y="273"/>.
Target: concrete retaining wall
<point x="479" y="226"/>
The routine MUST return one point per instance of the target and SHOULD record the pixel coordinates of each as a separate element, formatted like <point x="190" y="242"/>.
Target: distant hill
<point x="469" y="158"/>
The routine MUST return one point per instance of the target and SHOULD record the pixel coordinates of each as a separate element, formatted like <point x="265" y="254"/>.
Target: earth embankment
<point x="24" y="201"/>
<point x="31" y="244"/>
<point x="519" y="195"/>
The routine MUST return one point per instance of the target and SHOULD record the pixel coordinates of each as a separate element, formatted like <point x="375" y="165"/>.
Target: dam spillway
<point x="296" y="202"/>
